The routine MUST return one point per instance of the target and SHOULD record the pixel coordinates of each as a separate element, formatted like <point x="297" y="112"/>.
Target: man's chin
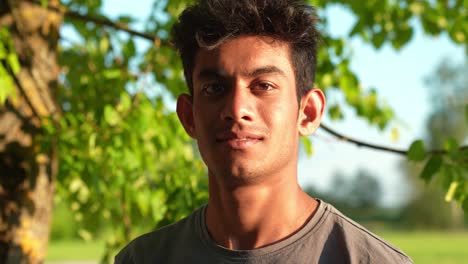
<point x="238" y="176"/>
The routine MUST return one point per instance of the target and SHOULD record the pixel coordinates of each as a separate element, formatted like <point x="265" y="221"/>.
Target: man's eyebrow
<point x="265" y="70"/>
<point x="210" y="74"/>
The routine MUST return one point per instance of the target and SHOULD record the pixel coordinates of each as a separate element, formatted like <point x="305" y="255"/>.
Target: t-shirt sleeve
<point x="359" y="244"/>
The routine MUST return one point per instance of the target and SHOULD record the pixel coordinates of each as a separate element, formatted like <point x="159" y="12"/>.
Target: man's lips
<point x="242" y="135"/>
<point x="238" y="140"/>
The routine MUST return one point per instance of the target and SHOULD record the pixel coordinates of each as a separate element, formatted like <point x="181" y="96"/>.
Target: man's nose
<point x="238" y="105"/>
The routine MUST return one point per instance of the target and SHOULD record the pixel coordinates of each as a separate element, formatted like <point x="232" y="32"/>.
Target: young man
<point x="249" y="65"/>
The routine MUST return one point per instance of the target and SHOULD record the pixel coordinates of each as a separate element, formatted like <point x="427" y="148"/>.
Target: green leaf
<point x="125" y="102"/>
<point x="416" y="8"/>
<point x="432" y="167"/>
<point x="395" y="134"/>
<point x="335" y="112"/>
<point x="451" y="191"/>
<point x="104" y="45"/>
<point x="465" y="207"/>
<point x="125" y="19"/>
<point x="158" y="205"/>
<point x="75" y="185"/>
<point x="403" y="37"/>
<point x="307" y="146"/>
<point x="457" y="32"/>
<point x="85" y="235"/>
<point x="83" y="194"/>
<point x="3" y="51"/>
<point x="3" y="92"/>
<point x="111" y="116"/>
<point x="356" y="29"/>
<point x="379" y="39"/>
<point x="14" y="63"/>
<point x="7" y="87"/>
<point x="446" y="173"/>
<point x="128" y="50"/>
<point x="111" y="73"/>
<point x="142" y="200"/>
<point x="451" y="145"/>
<point x="92" y="143"/>
<point x="348" y="84"/>
<point x="416" y="151"/>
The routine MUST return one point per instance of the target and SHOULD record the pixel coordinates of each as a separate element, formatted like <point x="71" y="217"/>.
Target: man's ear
<point x="185" y="114"/>
<point x="311" y="111"/>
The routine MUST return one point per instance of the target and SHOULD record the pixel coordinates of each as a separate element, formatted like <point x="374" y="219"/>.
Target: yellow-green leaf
<point x="111" y="73"/>
<point x="111" y="116"/>
<point x="14" y="63"/>
<point x="451" y="191"/>
<point x="85" y="234"/>
<point x="307" y="146"/>
<point x="125" y="102"/>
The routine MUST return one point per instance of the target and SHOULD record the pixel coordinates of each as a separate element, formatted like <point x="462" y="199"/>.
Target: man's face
<point x="245" y="109"/>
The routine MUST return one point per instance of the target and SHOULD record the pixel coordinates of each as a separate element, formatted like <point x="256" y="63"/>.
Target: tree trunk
<point x="27" y="171"/>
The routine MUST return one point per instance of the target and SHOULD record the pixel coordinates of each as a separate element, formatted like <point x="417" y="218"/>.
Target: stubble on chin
<point x="235" y="175"/>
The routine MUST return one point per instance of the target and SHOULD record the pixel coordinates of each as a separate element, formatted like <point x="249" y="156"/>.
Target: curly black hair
<point x="209" y="23"/>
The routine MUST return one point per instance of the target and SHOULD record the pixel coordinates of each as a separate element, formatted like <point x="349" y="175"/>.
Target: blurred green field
<point x="74" y="250"/>
<point x="441" y="247"/>
<point x="423" y="247"/>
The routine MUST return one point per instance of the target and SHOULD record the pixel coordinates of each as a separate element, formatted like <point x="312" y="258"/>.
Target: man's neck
<point x="253" y="216"/>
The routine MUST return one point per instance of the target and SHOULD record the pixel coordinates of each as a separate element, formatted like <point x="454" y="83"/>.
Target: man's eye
<point x="263" y="86"/>
<point x="213" y="89"/>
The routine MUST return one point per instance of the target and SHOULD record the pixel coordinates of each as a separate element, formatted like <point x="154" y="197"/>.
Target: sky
<point x="398" y="77"/>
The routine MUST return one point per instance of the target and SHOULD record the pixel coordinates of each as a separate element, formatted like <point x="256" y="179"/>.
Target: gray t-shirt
<point x="328" y="237"/>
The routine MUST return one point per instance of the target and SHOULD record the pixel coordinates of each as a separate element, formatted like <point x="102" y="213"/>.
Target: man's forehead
<point x="250" y="55"/>
<point x="207" y="73"/>
<point x="257" y="40"/>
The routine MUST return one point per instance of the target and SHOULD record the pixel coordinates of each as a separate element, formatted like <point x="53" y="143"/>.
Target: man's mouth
<point x="238" y="140"/>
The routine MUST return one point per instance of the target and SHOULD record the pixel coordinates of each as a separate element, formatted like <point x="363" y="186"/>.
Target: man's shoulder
<point x="359" y="241"/>
<point x="165" y="239"/>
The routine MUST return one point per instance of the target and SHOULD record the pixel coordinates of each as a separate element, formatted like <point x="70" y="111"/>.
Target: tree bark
<point x="27" y="170"/>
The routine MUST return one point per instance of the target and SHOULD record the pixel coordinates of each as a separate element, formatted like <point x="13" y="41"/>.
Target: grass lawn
<point x="75" y="250"/>
<point x="432" y="246"/>
<point x="423" y="247"/>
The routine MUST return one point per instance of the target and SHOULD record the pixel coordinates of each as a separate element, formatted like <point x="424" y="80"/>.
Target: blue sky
<point x="399" y="79"/>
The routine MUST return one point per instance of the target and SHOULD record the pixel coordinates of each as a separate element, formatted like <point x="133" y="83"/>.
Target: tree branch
<point x="106" y="22"/>
<point x="103" y="21"/>
<point x="360" y="143"/>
